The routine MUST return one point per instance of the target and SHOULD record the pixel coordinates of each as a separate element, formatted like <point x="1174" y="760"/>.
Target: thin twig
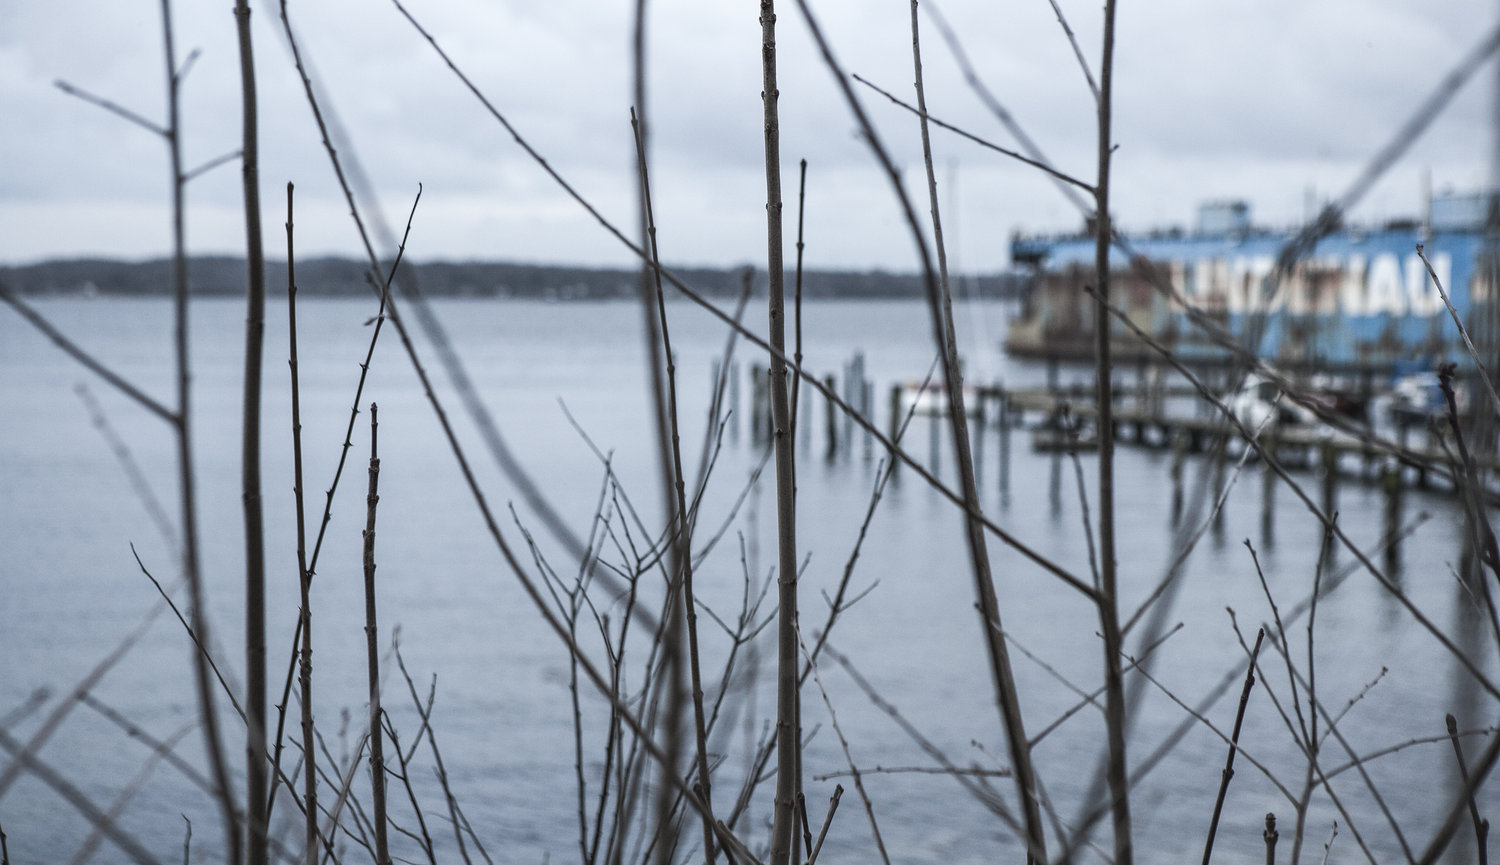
<point x="183" y="429"/>
<point x="1364" y="560"/>
<point x="1083" y="64"/>
<point x="1068" y="187"/>
<point x="1481" y="826"/>
<point x="940" y="307"/>
<point x="84" y="358"/>
<point x="372" y="663"/>
<point x="854" y="770"/>
<point x="76" y="798"/>
<point x="833" y="806"/>
<point x="139" y="483"/>
<point x="307" y="567"/>
<point x="192" y="631"/>
<point x="439" y="769"/>
<point x="304" y="572"/>
<point x="210" y="165"/>
<point x="113" y="108"/>
<point x="675" y="494"/>
<point x="1463" y="332"/>
<point x="787" y="743"/>
<point x="750" y="336"/>
<point x="977" y="785"/>
<point x="257" y="812"/>
<point x="90" y="844"/>
<point x="1234" y="744"/>
<point x="1020" y="157"/>
<point x="65" y="706"/>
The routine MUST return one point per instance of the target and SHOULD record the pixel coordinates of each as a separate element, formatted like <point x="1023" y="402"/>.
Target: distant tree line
<point x="225" y="275"/>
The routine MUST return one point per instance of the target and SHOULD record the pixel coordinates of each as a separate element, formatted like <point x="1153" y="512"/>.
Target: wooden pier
<point x="1149" y="422"/>
<point x="1149" y="414"/>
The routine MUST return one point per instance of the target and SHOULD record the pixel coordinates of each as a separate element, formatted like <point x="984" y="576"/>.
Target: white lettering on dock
<point x="1354" y="286"/>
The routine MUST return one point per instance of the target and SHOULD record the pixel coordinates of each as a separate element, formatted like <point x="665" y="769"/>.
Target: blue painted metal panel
<point x="1357" y="299"/>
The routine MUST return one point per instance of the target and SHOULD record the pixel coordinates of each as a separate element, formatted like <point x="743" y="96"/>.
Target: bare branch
<point x="83" y="357"/>
<point x="112" y="108"/>
<point x="1066" y="178"/>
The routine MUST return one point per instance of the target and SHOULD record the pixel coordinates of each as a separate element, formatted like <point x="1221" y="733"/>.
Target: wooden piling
<point x="1393" y="487"/>
<point x="806" y="414"/>
<point x="1004" y="432"/>
<point x="979" y="397"/>
<point x="1328" y="459"/>
<point x="734" y="400"/>
<point x="867" y="410"/>
<point x="1220" y="456"/>
<point x="1179" y="456"/>
<point x="833" y="420"/>
<point x="1054" y="483"/>
<point x="759" y="402"/>
<point x="1268" y="505"/>
<point x="895" y="425"/>
<point x="854" y="376"/>
<point x="934" y="440"/>
<point x="715" y="369"/>
<point x="1268" y="445"/>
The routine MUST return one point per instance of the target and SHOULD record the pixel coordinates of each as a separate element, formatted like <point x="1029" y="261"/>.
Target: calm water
<point x="69" y="515"/>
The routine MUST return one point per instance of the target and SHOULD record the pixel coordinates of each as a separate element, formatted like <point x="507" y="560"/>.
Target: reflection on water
<point x="69" y="516"/>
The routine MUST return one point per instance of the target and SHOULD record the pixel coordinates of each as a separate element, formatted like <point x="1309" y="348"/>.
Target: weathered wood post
<point x="979" y="397"/>
<point x="734" y="400"/>
<point x="867" y="409"/>
<point x="1329" y="460"/>
<point x="759" y="403"/>
<point x="833" y="419"/>
<point x="895" y="426"/>
<point x="1391" y="484"/>
<point x="1054" y="483"/>
<point x="1268" y="490"/>
<point x="802" y="411"/>
<point x="854" y="376"/>
<point x="935" y="438"/>
<point x="1004" y="425"/>
<point x="1220" y="456"/>
<point x="1179" y="455"/>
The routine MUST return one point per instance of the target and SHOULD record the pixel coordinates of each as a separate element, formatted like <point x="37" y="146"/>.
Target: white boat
<point x="931" y="398"/>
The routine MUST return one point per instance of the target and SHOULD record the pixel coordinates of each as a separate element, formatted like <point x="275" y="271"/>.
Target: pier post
<point x="1268" y="504"/>
<point x="854" y="377"/>
<point x="810" y="412"/>
<point x="1329" y="458"/>
<point x="895" y="425"/>
<point x="867" y="409"/>
<point x="1004" y="429"/>
<point x="1219" y="454"/>
<point x="734" y="400"/>
<point x="935" y="440"/>
<point x="1054" y="483"/>
<point x="759" y="391"/>
<point x="1179" y="456"/>
<point x="715" y="369"/>
<point x="978" y="435"/>
<point x="1393" y="487"/>
<point x="833" y="420"/>
<point x="1329" y="463"/>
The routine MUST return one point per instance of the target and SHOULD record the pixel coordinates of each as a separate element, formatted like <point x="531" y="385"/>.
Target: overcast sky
<point x="1273" y="101"/>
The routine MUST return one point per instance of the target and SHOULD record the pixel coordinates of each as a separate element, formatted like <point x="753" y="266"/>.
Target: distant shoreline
<point x="340" y="277"/>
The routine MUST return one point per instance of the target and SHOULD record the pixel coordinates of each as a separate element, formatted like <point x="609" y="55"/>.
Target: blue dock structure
<point x="1358" y="300"/>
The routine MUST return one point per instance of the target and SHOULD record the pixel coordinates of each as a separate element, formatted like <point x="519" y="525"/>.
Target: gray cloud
<point x="1261" y="100"/>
